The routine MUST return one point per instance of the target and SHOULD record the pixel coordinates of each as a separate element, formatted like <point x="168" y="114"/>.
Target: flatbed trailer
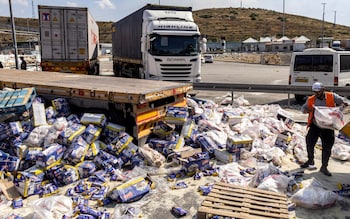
<point x="135" y="103"/>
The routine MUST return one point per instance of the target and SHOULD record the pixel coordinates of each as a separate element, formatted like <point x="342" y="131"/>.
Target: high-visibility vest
<point x="311" y="101"/>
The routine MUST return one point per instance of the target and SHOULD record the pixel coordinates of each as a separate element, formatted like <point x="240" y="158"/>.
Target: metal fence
<point x="267" y="88"/>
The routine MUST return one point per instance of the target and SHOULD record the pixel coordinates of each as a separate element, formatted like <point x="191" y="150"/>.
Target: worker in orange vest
<point x="320" y="98"/>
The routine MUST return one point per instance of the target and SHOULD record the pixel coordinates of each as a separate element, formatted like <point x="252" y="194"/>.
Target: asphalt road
<point x="230" y="72"/>
<point x="242" y="73"/>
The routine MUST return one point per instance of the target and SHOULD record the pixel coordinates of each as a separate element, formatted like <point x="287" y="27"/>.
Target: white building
<point x="300" y="43"/>
<point x="250" y="45"/>
<point x="262" y="43"/>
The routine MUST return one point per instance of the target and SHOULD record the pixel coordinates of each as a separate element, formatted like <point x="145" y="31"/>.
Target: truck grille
<point x="175" y="70"/>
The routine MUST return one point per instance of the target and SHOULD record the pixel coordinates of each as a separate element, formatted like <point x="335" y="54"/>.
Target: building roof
<point x="301" y="39"/>
<point x="284" y="38"/>
<point x="265" y="39"/>
<point x="250" y="40"/>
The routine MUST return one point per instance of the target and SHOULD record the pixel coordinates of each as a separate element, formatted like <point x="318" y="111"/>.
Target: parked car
<point x="208" y="58"/>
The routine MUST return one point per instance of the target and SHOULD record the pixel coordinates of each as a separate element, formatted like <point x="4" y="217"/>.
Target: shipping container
<point x="69" y="39"/>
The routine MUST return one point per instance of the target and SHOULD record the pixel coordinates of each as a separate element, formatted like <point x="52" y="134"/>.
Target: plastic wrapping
<point x="275" y="183"/>
<point x="53" y="207"/>
<point x="314" y="196"/>
<point x="329" y="117"/>
<point x="341" y="151"/>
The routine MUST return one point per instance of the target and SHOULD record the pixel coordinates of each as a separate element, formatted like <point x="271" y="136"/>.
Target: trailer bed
<point x="114" y="89"/>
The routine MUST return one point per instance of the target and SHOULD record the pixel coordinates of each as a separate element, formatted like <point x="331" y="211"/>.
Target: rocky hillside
<point x="235" y="24"/>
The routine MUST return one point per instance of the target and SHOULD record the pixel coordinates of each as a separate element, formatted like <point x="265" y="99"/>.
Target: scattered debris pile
<point x="85" y="166"/>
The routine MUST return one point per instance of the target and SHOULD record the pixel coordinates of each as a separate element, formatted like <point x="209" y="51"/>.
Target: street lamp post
<point x="283" y="22"/>
<point x="324" y="5"/>
<point x="14" y="35"/>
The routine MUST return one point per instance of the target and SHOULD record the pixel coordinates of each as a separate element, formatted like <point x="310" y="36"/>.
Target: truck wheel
<point x="97" y="69"/>
<point x="141" y="74"/>
<point x="300" y="98"/>
<point x="116" y="69"/>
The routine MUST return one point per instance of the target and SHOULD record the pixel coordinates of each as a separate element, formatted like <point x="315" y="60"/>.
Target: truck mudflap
<point x="145" y="120"/>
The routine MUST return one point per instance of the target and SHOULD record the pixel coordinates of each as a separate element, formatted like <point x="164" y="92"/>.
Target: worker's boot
<point x="325" y="171"/>
<point x="325" y="158"/>
<point x="310" y="165"/>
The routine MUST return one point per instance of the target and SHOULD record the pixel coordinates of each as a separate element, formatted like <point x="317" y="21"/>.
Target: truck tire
<point x="97" y="69"/>
<point x="141" y="73"/>
<point x="300" y="98"/>
<point x="116" y="69"/>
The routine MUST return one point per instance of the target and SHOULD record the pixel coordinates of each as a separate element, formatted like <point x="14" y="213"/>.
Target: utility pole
<point x="14" y="35"/>
<point x="33" y="11"/>
<point x="335" y="17"/>
<point x="324" y="5"/>
<point x="283" y="22"/>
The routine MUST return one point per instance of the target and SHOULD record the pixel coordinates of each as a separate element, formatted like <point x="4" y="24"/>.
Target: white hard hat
<point x="317" y="86"/>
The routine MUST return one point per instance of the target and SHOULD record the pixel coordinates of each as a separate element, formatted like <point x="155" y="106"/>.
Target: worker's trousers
<point x="327" y="140"/>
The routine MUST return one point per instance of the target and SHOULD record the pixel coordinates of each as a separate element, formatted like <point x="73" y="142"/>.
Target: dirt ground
<point x="256" y="58"/>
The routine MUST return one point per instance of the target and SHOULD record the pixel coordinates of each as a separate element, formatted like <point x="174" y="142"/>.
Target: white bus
<point x="325" y="65"/>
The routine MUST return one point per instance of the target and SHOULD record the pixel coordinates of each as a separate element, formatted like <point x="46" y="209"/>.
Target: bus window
<point x="317" y="63"/>
<point x="344" y="63"/>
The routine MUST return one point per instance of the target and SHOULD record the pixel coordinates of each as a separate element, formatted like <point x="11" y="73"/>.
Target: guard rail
<point x="267" y="88"/>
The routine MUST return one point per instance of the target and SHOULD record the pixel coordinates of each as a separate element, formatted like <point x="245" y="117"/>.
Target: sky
<point x="114" y="10"/>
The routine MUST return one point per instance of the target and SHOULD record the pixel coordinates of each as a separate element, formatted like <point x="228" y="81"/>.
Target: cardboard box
<point x="76" y="151"/>
<point x="39" y="114"/>
<point x="161" y="129"/>
<point x="289" y="122"/>
<point x="345" y="130"/>
<point x="176" y="115"/>
<point x="132" y="190"/>
<point x="231" y="117"/>
<point x="238" y="141"/>
<point x="283" y="140"/>
<point x="50" y="155"/>
<point x="91" y="133"/>
<point x="8" y="162"/>
<point x="61" y="106"/>
<point x="226" y="157"/>
<point x="27" y="183"/>
<point x="119" y="143"/>
<point x="206" y="143"/>
<point x="93" y="118"/>
<point x="198" y="161"/>
<point x="70" y="133"/>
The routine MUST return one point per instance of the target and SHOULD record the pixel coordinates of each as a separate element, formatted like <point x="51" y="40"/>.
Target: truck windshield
<point x="316" y="63"/>
<point x="174" y="45"/>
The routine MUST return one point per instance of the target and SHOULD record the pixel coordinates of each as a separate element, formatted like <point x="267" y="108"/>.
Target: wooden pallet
<point x="17" y="101"/>
<point x="241" y="202"/>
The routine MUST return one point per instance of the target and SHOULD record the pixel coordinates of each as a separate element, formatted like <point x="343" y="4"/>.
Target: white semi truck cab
<point x="171" y="49"/>
<point x="158" y="43"/>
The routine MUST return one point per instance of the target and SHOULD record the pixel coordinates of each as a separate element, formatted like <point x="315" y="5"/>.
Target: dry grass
<point x="235" y="24"/>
